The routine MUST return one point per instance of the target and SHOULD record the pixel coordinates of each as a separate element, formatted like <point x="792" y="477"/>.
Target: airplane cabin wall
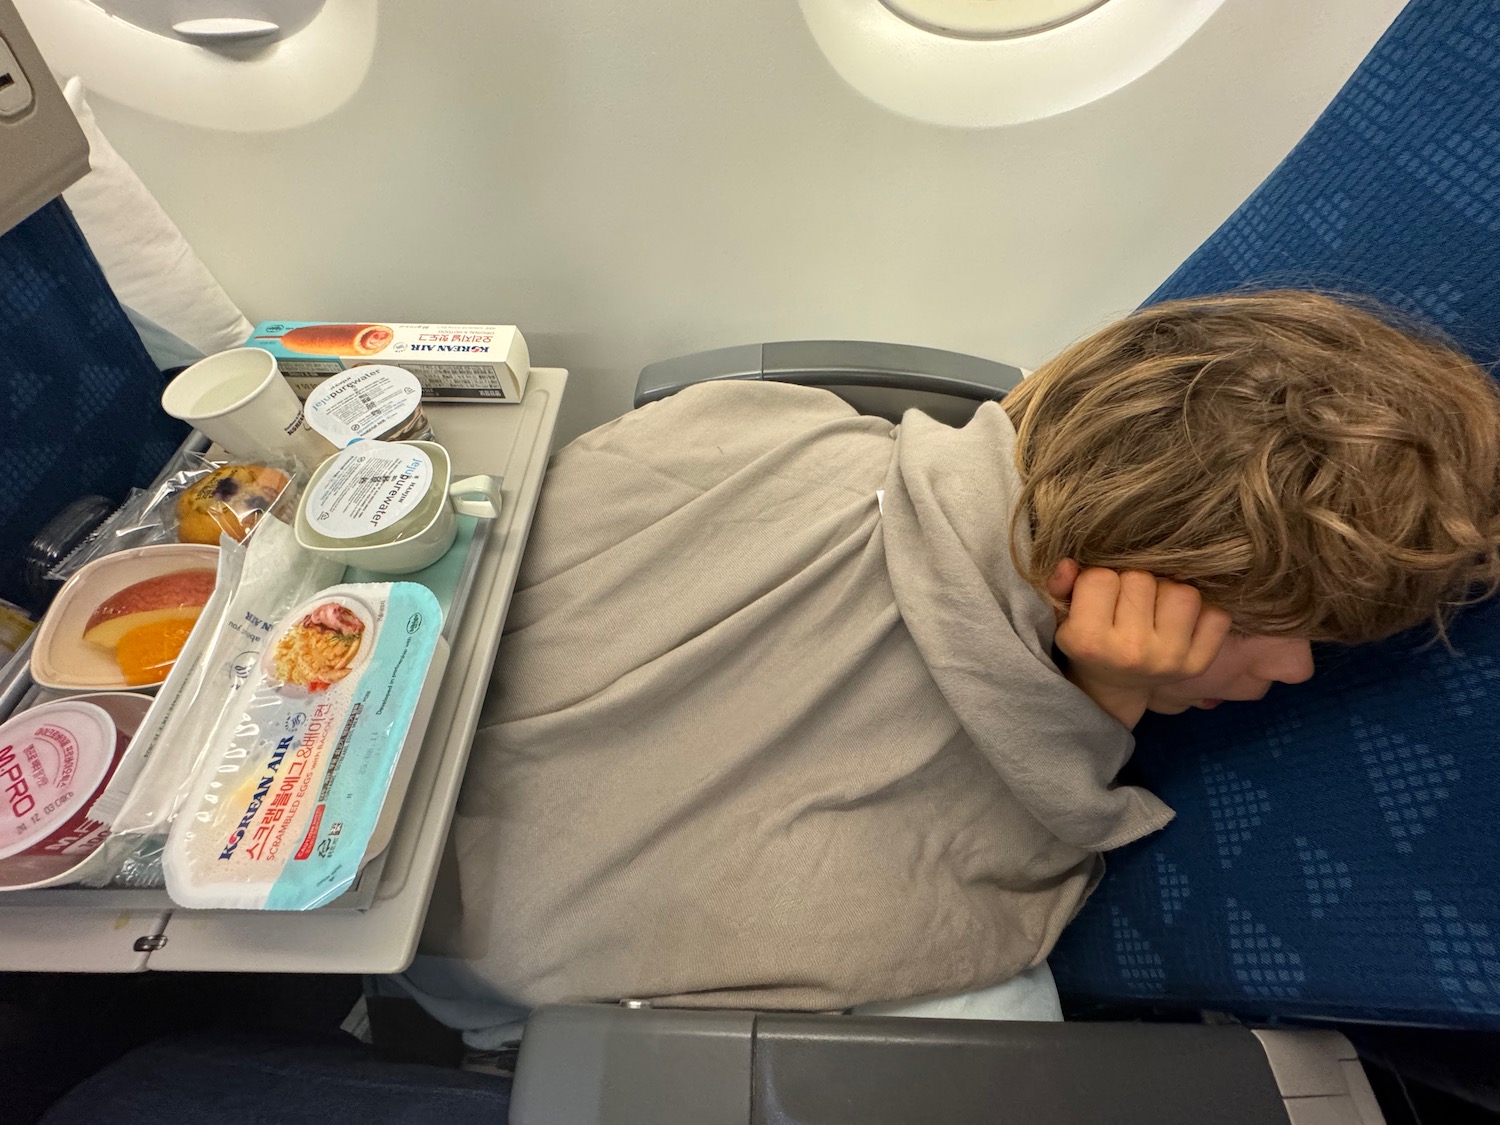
<point x="631" y="182"/>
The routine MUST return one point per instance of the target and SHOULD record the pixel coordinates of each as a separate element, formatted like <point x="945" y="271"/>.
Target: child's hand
<point x="1128" y="632"/>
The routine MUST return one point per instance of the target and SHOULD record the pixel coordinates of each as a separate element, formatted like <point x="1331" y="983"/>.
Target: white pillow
<point x="180" y="311"/>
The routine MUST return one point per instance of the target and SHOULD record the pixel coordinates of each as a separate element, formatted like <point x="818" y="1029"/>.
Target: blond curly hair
<point x="1310" y="468"/>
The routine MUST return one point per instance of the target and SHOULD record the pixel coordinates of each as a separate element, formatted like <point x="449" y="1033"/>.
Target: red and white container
<point x="54" y="760"/>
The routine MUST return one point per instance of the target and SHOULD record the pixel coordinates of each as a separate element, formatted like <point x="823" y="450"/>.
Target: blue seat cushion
<point x="81" y="410"/>
<point x="1336" y="851"/>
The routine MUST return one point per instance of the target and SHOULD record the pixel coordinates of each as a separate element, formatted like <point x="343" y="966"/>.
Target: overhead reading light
<point x="983" y="63"/>
<point x="990" y="19"/>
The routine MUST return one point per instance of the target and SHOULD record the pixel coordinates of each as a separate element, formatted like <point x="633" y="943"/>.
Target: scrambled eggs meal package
<point x="283" y="806"/>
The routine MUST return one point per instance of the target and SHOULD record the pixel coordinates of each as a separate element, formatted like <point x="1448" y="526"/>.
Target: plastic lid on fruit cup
<point x="53" y="760"/>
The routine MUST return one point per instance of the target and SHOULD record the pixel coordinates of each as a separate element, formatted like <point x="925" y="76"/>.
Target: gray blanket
<point x="754" y="742"/>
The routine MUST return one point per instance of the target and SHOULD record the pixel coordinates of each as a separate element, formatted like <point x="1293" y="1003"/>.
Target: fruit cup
<point x="134" y="607"/>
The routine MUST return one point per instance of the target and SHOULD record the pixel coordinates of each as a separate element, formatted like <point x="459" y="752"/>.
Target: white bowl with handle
<point x="341" y="513"/>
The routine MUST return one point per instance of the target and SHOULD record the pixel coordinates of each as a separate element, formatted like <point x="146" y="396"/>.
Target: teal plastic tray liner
<point x="359" y="770"/>
<point x="443" y="577"/>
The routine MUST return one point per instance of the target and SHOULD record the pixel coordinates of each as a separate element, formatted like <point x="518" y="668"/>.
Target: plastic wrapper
<point x="285" y="806"/>
<point x="197" y="501"/>
<point x="257" y="585"/>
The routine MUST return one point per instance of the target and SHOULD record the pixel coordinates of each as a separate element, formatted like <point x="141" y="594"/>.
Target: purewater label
<point x="368" y="489"/>
<point x="363" y="403"/>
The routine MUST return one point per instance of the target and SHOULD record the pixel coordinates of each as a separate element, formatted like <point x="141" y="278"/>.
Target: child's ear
<point x="1060" y="583"/>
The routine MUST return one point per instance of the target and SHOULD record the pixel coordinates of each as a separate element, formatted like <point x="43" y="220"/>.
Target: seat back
<point x="80" y="398"/>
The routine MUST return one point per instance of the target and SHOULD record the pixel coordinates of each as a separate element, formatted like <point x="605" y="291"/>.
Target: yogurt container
<point x="54" y="760"/>
<point x="375" y="402"/>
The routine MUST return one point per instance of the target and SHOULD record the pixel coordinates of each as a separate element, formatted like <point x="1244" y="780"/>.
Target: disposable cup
<point x="240" y="399"/>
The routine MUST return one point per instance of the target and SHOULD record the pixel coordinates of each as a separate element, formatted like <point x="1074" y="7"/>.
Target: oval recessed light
<point x="225" y="29"/>
<point x="317" y="61"/>
<point x="991" y="19"/>
<point x="948" y="77"/>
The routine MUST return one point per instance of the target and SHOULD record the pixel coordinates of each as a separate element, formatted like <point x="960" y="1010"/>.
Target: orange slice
<point x="146" y="653"/>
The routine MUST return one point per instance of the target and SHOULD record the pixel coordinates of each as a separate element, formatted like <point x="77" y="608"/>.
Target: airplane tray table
<point x="374" y="927"/>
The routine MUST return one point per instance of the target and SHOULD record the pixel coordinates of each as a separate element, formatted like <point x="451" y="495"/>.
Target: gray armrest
<point x="825" y="363"/>
<point x="606" y="1065"/>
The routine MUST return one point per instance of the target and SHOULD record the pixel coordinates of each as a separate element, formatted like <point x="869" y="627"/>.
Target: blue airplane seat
<point x="81" y="409"/>
<point x="1336" y="853"/>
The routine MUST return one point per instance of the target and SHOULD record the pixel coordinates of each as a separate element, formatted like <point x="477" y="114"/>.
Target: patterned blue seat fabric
<point x="1337" y="847"/>
<point x="81" y="407"/>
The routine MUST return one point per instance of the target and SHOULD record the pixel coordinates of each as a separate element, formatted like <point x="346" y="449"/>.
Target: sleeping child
<point x="799" y="709"/>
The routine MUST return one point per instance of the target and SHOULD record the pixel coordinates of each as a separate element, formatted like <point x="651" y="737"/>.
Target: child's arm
<point x="1127" y="632"/>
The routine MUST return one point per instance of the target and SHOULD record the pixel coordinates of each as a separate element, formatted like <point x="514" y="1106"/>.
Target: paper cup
<point x="240" y="400"/>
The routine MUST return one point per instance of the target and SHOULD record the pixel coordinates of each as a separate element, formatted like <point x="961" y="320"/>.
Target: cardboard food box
<point x="475" y="362"/>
